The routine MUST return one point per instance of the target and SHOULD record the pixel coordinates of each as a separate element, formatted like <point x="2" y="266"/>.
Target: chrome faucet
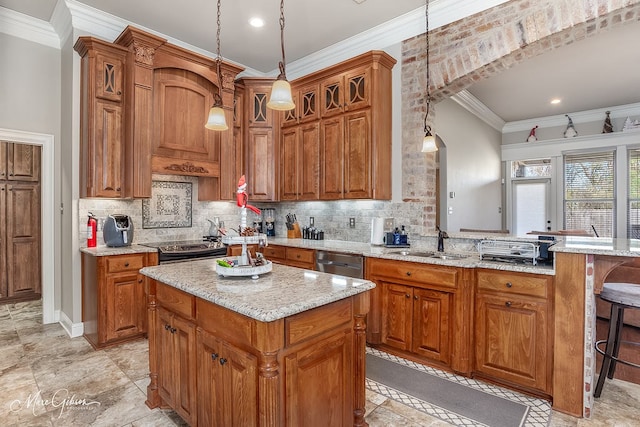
<point x="441" y="236"/>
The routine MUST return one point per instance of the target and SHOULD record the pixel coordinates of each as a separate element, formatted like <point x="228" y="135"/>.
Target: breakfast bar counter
<point x="582" y="265"/>
<point x="287" y="348"/>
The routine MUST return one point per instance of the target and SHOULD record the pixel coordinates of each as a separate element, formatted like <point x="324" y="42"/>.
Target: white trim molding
<point x="26" y="27"/>
<point x="472" y="104"/>
<point x="48" y="212"/>
<point x="73" y="329"/>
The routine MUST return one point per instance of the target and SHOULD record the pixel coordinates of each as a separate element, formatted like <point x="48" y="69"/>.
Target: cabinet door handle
<point x="223" y="360"/>
<point x="214" y="356"/>
<point x="407" y="296"/>
<point x="415" y="297"/>
<point x="119" y="92"/>
<point x="408" y="273"/>
<point x="126" y="264"/>
<point x="508" y="303"/>
<point x="167" y="327"/>
<point x="10" y="174"/>
<point x="118" y="189"/>
<point x="508" y="284"/>
<point x="139" y="280"/>
<point x="173" y="330"/>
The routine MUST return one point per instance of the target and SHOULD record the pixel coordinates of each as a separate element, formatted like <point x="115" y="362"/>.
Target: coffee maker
<point x="269" y="219"/>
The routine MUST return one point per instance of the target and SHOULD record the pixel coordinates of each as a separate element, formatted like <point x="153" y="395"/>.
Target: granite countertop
<point x="470" y="260"/>
<point x="283" y="292"/>
<point x="102" y="250"/>
<point x="599" y="246"/>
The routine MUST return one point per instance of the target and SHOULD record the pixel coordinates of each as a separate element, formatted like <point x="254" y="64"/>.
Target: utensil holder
<point x="295" y="233"/>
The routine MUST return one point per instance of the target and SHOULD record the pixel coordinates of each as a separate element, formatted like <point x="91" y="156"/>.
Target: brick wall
<point x="481" y="46"/>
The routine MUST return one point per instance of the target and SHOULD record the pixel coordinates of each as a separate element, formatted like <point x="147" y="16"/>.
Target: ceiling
<point x="598" y="72"/>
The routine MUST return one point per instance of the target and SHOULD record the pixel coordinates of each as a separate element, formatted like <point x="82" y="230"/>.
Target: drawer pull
<point x="508" y="284"/>
<point x="415" y="297"/>
<point x="167" y="327"/>
<point x="408" y="273"/>
<point x="214" y="356"/>
<point x="508" y="303"/>
<point x="173" y="330"/>
<point x="223" y="361"/>
<point x="126" y="264"/>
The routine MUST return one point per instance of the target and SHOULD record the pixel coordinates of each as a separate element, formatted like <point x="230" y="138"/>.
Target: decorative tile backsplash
<point x="332" y="217"/>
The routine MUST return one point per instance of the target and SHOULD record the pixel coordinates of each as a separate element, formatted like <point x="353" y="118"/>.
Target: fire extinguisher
<point x="92" y="231"/>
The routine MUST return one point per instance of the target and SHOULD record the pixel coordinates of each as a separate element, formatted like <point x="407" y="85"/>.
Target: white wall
<point x="472" y="168"/>
<point x="30" y="101"/>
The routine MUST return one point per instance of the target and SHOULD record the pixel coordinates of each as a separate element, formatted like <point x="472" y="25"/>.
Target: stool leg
<point x="616" y="346"/>
<point x="606" y="360"/>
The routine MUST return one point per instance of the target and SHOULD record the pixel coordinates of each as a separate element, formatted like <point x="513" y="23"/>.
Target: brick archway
<point x="481" y="46"/>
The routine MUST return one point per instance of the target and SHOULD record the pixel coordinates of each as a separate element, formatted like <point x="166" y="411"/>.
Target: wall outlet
<point x="352" y="222"/>
<point x="311" y="221"/>
<point x="388" y="224"/>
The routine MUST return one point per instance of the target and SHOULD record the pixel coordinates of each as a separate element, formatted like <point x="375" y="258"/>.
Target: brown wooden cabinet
<point x="422" y="311"/>
<point x="19" y="162"/>
<point x="176" y="352"/>
<point x="227" y="383"/>
<point x="113" y="299"/>
<point x="513" y="324"/>
<point x="300" y="162"/>
<point x="294" y="257"/>
<point x="307" y="105"/>
<point x="102" y="149"/>
<point x="305" y="369"/>
<point x="20" y="220"/>
<point x="261" y="129"/>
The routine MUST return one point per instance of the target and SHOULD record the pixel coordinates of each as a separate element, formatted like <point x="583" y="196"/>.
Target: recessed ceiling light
<point x="555" y="101"/>
<point x="256" y="22"/>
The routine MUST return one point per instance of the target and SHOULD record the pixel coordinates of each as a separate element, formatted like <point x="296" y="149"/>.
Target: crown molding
<point x="25" y="27"/>
<point x="472" y="104"/>
<point x="587" y="116"/>
<point x="61" y="21"/>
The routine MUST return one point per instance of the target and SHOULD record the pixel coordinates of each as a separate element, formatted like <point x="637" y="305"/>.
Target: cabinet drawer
<point x="124" y="263"/>
<point x="271" y="252"/>
<point x="175" y="300"/>
<point x="312" y="323"/>
<point x="513" y="283"/>
<point x="416" y="272"/>
<point x="301" y="255"/>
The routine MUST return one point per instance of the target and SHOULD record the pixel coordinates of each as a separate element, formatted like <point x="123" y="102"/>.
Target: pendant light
<point x="281" y="98"/>
<point x="217" y="120"/>
<point x="429" y="141"/>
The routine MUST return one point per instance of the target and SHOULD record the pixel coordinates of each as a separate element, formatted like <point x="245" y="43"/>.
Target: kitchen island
<point x="285" y="349"/>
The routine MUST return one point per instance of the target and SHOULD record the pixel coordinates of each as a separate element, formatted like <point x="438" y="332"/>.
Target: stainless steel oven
<point x="187" y="250"/>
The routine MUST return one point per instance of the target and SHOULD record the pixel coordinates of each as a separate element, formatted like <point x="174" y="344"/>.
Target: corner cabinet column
<point x="139" y="108"/>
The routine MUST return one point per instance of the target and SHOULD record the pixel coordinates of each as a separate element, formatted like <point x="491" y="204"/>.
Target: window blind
<point x="589" y="192"/>
<point x="633" y="201"/>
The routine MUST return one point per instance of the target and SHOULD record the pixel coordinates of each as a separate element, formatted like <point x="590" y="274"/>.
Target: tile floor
<point x="48" y="379"/>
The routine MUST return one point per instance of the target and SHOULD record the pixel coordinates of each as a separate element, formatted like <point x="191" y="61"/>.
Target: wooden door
<point x="289" y="163"/>
<point x="3" y="240"/>
<point x="184" y="335"/>
<point x="165" y="354"/>
<point x="124" y="298"/>
<point x="432" y="321"/>
<point x="23" y="239"/>
<point x="357" y="155"/>
<point x="109" y="76"/>
<point x="259" y="114"/>
<point x="210" y="392"/>
<point x="332" y="96"/>
<point x="328" y="366"/>
<point x="239" y="386"/>
<point x="3" y="159"/>
<point x="358" y="89"/>
<point x="261" y="165"/>
<point x="309" y="99"/>
<point x="309" y="169"/>
<point x="332" y="154"/>
<point x="397" y="315"/>
<point x="106" y="153"/>
<point x="23" y="162"/>
<point x="512" y="340"/>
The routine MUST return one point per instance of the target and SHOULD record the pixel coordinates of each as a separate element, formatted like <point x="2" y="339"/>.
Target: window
<point x="633" y="212"/>
<point x="589" y="193"/>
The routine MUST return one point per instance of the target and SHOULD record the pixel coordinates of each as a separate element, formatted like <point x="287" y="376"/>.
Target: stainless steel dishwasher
<point x="349" y="265"/>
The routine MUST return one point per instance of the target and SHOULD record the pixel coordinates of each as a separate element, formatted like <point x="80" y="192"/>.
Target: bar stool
<point x="621" y="296"/>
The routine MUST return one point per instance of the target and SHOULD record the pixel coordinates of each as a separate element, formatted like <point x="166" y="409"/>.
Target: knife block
<point x="295" y="233"/>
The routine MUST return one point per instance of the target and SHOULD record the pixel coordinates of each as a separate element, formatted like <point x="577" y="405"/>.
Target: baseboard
<point x="73" y="329"/>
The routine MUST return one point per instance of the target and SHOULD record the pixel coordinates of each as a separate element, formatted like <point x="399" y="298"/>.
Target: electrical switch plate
<point x="352" y="222"/>
<point x="388" y="224"/>
<point x="311" y="221"/>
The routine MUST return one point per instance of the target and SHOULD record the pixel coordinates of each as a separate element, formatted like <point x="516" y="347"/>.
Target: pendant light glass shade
<point x="429" y="143"/>
<point x="217" y="119"/>
<point x="281" y="98"/>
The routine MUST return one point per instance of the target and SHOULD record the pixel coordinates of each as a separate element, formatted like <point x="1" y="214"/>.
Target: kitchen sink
<point x="410" y="253"/>
<point x="442" y="255"/>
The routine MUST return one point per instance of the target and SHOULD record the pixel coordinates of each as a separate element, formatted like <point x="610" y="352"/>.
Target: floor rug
<point x="452" y="398"/>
